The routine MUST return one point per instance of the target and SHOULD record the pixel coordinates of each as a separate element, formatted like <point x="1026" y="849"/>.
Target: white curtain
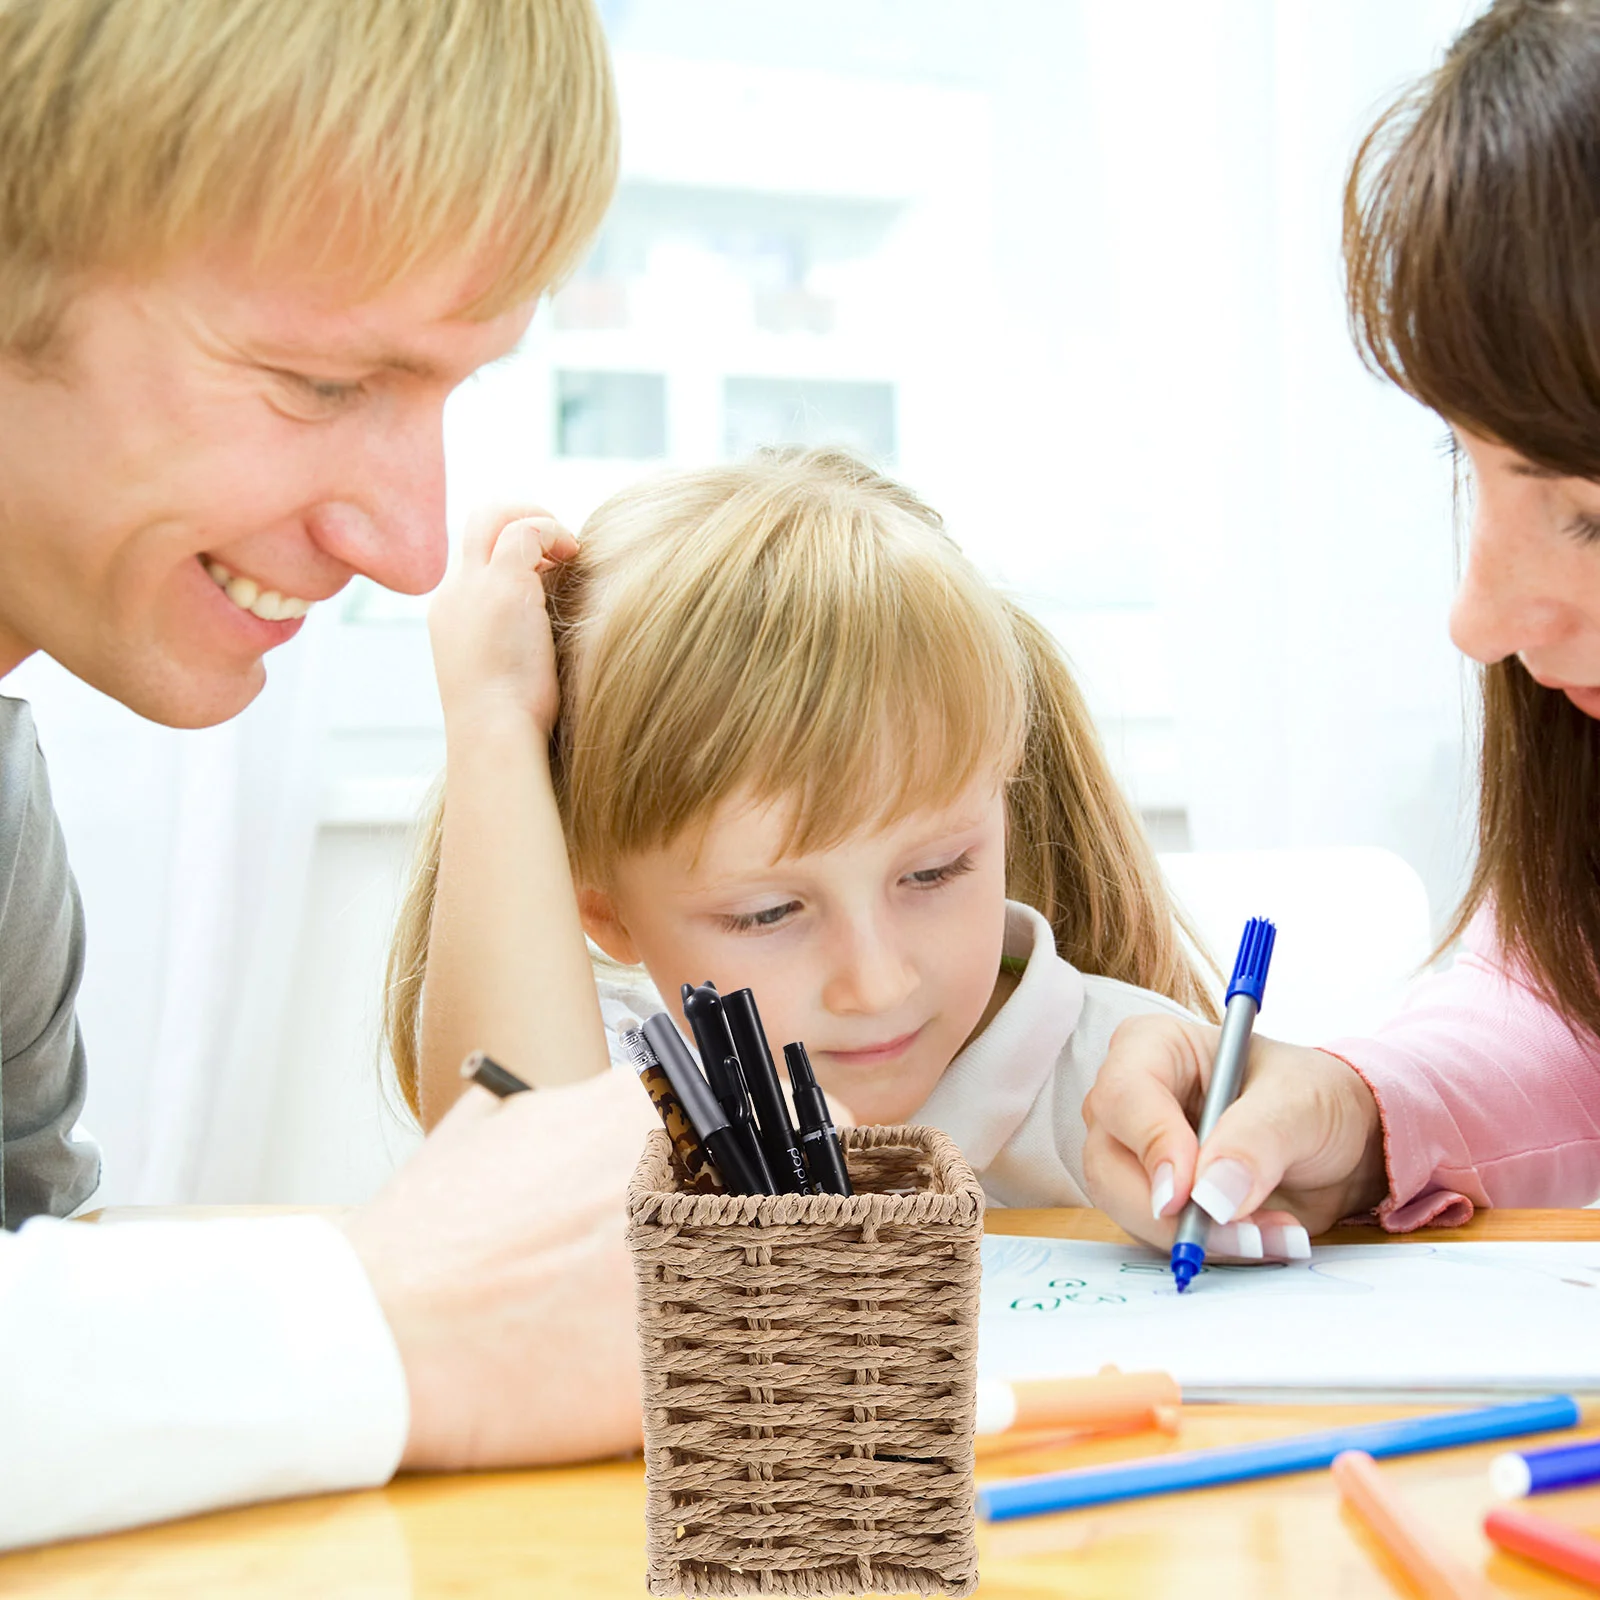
<point x="192" y="851"/>
<point x="1191" y="432"/>
<point x="1159" y="411"/>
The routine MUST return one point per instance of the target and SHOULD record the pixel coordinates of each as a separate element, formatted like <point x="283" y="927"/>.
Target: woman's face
<point x="1532" y="584"/>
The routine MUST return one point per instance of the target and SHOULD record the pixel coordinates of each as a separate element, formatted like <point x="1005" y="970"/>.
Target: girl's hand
<point x="491" y="635"/>
<point x="1304" y="1132"/>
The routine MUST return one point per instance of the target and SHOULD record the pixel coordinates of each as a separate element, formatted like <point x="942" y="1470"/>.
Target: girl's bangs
<point x="848" y="666"/>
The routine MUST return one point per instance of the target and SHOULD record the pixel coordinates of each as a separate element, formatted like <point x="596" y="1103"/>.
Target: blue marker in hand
<point x="1227" y="1077"/>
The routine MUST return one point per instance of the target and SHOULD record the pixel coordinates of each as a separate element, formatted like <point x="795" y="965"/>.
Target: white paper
<point x="1368" y="1321"/>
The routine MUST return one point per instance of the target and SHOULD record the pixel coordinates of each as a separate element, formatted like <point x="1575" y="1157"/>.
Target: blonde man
<point x="247" y="247"/>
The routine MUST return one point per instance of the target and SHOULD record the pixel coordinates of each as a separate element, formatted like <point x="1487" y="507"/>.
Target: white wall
<point x="1133" y="396"/>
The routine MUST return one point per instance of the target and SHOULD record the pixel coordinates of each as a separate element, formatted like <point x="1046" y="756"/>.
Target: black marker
<point x="709" y="1119"/>
<point x="479" y="1068"/>
<point x="720" y="1057"/>
<point x="777" y="1132"/>
<point x="824" y="1153"/>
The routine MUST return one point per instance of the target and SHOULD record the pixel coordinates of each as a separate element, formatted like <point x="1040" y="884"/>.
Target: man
<point x="247" y="248"/>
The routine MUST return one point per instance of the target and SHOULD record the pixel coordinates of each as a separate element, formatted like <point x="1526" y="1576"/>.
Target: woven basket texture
<point x="809" y="1369"/>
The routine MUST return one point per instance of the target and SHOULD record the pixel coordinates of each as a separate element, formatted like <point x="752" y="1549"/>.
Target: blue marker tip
<point x="1255" y="956"/>
<point x="1187" y="1259"/>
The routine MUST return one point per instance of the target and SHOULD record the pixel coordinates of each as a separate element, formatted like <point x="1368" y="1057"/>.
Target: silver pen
<point x="1227" y="1078"/>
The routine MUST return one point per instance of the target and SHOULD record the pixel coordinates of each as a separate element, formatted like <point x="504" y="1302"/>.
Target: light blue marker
<point x="1227" y="1078"/>
<point x="1200" y="1469"/>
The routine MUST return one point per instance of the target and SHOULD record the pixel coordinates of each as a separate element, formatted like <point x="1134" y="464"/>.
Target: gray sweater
<point x="44" y="1170"/>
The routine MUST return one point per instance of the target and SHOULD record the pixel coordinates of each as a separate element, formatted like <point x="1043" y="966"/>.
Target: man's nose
<point x="386" y="519"/>
<point x="870" y="974"/>
<point x="1509" y="599"/>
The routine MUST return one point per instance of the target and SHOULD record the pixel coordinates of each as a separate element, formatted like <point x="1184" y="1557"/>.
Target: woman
<point x="1471" y="219"/>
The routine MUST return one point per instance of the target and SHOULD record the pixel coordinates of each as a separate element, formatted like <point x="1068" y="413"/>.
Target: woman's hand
<point x="1304" y="1132"/>
<point x="491" y="635"/>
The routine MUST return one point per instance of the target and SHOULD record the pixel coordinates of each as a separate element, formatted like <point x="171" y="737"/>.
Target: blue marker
<point x="1539" y="1471"/>
<point x="1199" y="1469"/>
<point x="1227" y="1077"/>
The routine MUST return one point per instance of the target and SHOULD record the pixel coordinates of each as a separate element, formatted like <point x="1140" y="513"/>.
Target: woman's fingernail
<point x="1286" y="1241"/>
<point x="1241" y="1239"/>
<point x="1222" y="1189"/>
<point x="1161" y="1190"/>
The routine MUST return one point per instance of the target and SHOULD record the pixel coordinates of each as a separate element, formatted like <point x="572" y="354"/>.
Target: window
<point x="809" y="411"/>
<point x="611" y="415"/>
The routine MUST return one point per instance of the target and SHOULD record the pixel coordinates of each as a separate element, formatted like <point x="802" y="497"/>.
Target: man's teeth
<point x="249" y="596"/>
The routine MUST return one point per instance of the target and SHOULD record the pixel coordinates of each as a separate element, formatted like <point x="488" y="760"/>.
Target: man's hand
<point x="1304" y="1132"/>
<point x="497" y="1254"/>
<point x="491" y="634"/>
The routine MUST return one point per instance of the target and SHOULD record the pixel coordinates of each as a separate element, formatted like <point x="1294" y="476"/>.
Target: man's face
<point x="212" y="450"/>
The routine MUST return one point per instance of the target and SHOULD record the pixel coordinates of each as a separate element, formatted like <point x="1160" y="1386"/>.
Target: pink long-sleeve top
<point x="1488" y="1097"/>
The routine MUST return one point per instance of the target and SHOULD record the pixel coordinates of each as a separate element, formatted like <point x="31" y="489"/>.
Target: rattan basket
<point x="809" y="1367"/>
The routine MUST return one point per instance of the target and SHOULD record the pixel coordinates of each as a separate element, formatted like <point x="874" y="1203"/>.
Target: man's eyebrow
<point x="368" y="358"/>
<point x="1531" y="469"/>
<point x="389" y="358"/>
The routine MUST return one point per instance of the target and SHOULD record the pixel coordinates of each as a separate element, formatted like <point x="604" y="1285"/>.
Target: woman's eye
<point x="1585" y="529"/>
<point x="770" y="917"/>
<point x="931" y="877"/>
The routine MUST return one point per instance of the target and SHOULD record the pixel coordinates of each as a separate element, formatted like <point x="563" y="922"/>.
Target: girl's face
<point x="1532" y="584"/>
<point x="880" y="953"/>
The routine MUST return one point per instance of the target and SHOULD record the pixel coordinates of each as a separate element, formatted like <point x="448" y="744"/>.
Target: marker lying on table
<point x="1111" y="1399"/>
<point x="481" y="1070"/>
<point x="1199" y="1469"/>
<point x="1227" y="1078"/>
<point x="1549" y="1543"/>
<point x="1522" y="1472"/>
<point x="1436" y="1572"/>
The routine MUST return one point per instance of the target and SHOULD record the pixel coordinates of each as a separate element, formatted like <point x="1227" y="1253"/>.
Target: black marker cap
<point x="824" y="1154"/>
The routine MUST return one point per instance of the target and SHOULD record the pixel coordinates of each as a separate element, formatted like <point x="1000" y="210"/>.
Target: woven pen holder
<point x="809" y="1373"/>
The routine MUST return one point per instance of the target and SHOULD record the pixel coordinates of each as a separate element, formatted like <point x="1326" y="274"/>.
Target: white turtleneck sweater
<point x="1013" y="1099"/>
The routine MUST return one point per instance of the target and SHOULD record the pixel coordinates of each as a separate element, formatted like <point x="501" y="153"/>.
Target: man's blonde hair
<point x="381" y="136"/>
<point x="801" y="629"/>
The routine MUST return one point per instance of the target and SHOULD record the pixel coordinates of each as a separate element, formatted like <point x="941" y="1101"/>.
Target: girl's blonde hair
<point x="801" y="629"/>
<point x="376" y="136"/>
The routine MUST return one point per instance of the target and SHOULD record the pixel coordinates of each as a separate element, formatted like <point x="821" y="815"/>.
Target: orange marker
<point x="1437" y="1574"/>
<point x="1112" y="1399"/>
<point x="1548" y="1543"/>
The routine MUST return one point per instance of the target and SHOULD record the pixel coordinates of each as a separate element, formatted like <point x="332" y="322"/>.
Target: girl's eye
<point x="750" y="921"/>
<point x="932" y="877"/>
<point x="1585" y="529"/>
<point x="323" y="394"/>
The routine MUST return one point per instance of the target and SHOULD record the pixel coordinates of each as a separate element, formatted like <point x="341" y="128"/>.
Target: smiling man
<point x="247" y="248"/>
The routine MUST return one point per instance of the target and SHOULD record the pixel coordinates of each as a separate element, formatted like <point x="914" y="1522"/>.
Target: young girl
<point x="802" y="746"/>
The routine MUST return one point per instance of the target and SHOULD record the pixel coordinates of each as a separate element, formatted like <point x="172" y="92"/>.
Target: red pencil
<point x="1548" y="1543"/>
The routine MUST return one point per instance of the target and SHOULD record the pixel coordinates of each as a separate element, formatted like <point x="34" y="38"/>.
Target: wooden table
<point x="577" y="1533"/>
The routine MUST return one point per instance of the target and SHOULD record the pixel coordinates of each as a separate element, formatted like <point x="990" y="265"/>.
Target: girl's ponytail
<point x="408" y="954"/>
<point x="1076" y="851"/>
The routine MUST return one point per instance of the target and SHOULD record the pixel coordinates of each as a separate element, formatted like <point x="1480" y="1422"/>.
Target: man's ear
<point x="598" y="913"/>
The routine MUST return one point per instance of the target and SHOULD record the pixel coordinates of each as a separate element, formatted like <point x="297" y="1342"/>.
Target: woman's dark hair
<point x="1472" y="258"/>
